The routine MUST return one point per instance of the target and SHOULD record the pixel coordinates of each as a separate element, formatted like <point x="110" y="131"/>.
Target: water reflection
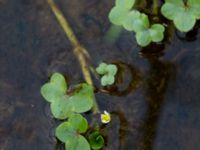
<point x="156" y="85"/>
<point x="124" y="128"/>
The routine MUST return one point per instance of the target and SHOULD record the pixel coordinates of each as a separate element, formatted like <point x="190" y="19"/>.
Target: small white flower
<point x="105" y="117"/>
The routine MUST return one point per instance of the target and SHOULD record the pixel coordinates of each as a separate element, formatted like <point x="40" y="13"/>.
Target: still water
<point x="154" y="104"/>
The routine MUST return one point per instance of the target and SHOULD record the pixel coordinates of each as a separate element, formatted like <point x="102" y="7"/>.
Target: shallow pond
<point x="154" y="106"/>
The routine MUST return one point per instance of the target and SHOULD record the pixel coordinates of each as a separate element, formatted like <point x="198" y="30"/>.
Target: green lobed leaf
<point x="77" y="143"/>
<point x="108" y="72"/>
<point x="117" y="15"/>
<point x="193" y="2"/>
<point x="59" y="79"/>
<point x="71" y="142"/>
<point x="107" y="80"/>
<point x="141" y="23"/>
<point x="102" y="69"/>
<point x="82" y="100"/>
<point x="111" y="69"/>
<point x="194" y="8"/>
<point x="128" y="4"/>
<point x="96" y="140"/>
<point x="55" y="88"/>
<point x="169" y="10"/>
<point x="184" y="21"/>
<point x="79" y="123"/>
<point x="175" y="2"/>
<point x="183" y="16"/>
<point x="61" y="108"/>
<point x="129" y="20"/>
<point x="157" y="32"/>
<point x="65" y="131"/>
<point x="143" y="38"/>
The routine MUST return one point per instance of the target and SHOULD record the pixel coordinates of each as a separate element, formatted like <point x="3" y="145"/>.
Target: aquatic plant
<point x="68" y="105"/>
<point x="107" y="72"/>
<point x="69" y="132"/>
<point x="132" y="20"/>
<point x="183" y="13"/>
<point x="96" y="140"/>
<point x="63" y="105"/>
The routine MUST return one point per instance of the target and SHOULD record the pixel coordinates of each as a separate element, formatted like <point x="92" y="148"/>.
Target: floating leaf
<point x="155" y="34"/>
<point x="61" y="108"/>
<point x="184" y="15"/>
<point x="65" y="131"/>
<point x="96" y="140"/>
<point x="79" y="123"/>
<point x="130" y="19"/>
<point x="111" y="69"/>
<point x="117" y="15"/>
<point x="143" y="38"/>
<point x="82" y="100"/>
<point x="77" y="143"/>
<point x="128" y="4"/>
<point x="63" y="105"/>
<point x="102" y="69"/>
<point x="141" y="23"/>
<point x="55" y="88"/>
<point x="71" y="142"/>
<point x="133" y="20"/>
<point x="107" y="80"/>
<point x="184" y="21"/>
<point x="108" y="72"/>
<point x="195" y="7"/>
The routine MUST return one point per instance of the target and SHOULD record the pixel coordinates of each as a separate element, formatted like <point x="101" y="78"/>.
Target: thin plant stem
<point x="155" y="7"/>
<point x="79" y="51"/>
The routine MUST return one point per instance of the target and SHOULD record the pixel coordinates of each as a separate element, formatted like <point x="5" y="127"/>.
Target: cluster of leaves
<point x="70" y="132"/>
<point x="64" y="106"/>
<point x="108" y="72"/>
<point x="122" y="14"/>
<point x="183" y="13"/>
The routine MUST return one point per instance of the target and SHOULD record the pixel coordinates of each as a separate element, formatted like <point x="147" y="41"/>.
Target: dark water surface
<point x="154" y="105"/>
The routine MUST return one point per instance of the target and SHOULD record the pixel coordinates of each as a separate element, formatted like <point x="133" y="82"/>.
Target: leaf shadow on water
<point x="157" y="82"/>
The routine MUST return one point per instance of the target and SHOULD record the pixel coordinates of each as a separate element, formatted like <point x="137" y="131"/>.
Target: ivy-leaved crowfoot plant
<point x="183" y="13"/>
<point x="63" y="105"/>
<point x="96" y="140"/>
<point x="69" y="106"/>
<point x="107" y="72"/>
<point x="69" y="132"/>
<point x="132" y="20"/>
